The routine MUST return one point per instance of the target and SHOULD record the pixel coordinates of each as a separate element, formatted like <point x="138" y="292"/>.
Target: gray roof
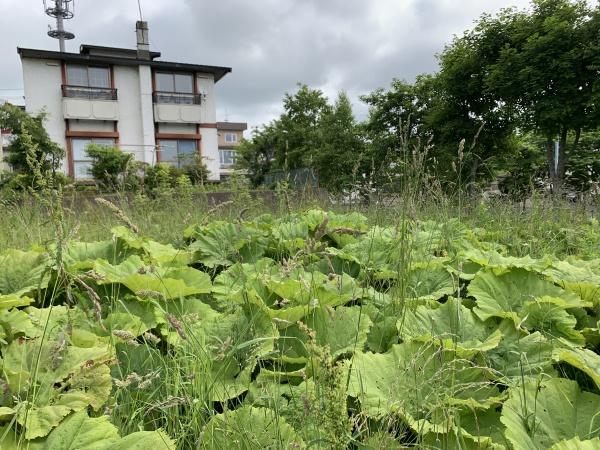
<point x="232" y="126"/>
<point x="98" y="55"/>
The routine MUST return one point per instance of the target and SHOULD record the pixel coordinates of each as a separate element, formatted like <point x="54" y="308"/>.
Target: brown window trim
<point x="182" y="136"/>
<point x="110" y="68"/>
<point x="70" y="135"/>
<point x="92" y="134"/>
<point x="178" y="137"/>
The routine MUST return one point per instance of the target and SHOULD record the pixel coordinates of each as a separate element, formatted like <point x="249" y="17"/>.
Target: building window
<point x="89" y="82"/>
<point x="81" y="161"/>
<point x="178" y="153"/>
<point x="231" y="138"/>
<point x="227" y="157"/>
<point x="175" y="88"/>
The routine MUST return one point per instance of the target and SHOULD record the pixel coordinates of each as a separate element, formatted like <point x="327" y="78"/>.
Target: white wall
<point x="210" y="139"/>
<point x="42" y="80"/>
<point x="209" y="148"/>
<point x="146" y="116"/>
<point x="184" y="128"/>
<point x="91" y="125"/>
<point x="206" y="86"/>
<point x="131" y="137"/>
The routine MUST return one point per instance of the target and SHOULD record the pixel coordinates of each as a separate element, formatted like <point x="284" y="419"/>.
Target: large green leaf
<point x="249" y="428"/>
<point x="79" y="432"/>
<point x="585" y="360"/>
<point x="21" y="273"/>
<point x="581" y="277"/>
<point x="342" y="330"/>
<point x="147" y="280"/>
<point x="504" y="295"/>
<point x="222" y="244"/>
<point x="62" y="368"/>
<point x="539" y="414"/>
<point x="225" y="350"/>
<point x="577" y="444"/>
<point x="418" y="382"/>
<point x="520" y="353"/>
<point x="452" y="324"/>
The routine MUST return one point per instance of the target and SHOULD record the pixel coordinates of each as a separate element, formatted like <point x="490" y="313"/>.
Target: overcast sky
<point x="354" y="45"/>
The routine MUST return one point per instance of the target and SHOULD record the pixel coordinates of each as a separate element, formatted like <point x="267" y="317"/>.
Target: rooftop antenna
<point x="61" y="10"/>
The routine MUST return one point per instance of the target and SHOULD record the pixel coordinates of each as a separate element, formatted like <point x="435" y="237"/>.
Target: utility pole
<point x="61" y="11"/>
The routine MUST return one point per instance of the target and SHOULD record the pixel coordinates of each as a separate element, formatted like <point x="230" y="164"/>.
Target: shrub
<point x="112" y="169"/>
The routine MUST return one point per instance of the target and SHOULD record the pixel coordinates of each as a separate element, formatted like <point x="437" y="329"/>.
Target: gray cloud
<point x="354" y="45"/>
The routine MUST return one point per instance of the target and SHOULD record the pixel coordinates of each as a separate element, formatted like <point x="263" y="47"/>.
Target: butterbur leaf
<point x="505" y="295"/>
<point x="429" y="283"/>
<point x="580" y="277"/>
<point x="222" y="244"/>
<point x="585" y="360"/>
<point x="341" y="330"/>
<point x="66" y="371"/>
<point x="249" y="427"/>
<point x="519" y="353"/>
<point x="163" y="282"/>
<point x="80" y="432"/>
<point x="546" y="314"/>
<point x="539" y="414"/>
<point x="417" y="382"/>
<point x="452" y="324"/>
<point x="577" y="444"/>
<point x="21" y="273"/>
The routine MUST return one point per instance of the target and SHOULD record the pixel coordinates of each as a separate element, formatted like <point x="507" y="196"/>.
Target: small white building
<point x="159" y="111"/>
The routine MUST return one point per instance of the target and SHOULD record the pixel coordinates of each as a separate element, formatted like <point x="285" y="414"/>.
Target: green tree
<point x="340" y="159"/>
<point x="547" y="71"/>
<point x="29" y="133"/>
<point x="298" y="127"/>
<point x="112" y="169"/>
<point x="256" y="156"/>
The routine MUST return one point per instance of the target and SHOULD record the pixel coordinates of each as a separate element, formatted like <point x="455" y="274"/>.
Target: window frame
<point x="178" y="164"/>
<point x="174" y="96"/>
<point x="88" y="67"/>
<point x="173" y="74"/>
<point x="91" y="140"/>
<point x="230" y="134"/>
<point x="232" y="154"/>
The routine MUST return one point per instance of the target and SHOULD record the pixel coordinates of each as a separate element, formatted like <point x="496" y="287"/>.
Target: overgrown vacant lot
<point x="383" y="330"/>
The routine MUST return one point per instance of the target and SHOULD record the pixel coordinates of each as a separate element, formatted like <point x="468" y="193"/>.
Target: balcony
<point x="176" y="98"/>
<point x="90" y="103"/>
<point x="176" y="107"/>
<point x="88" y="93"/>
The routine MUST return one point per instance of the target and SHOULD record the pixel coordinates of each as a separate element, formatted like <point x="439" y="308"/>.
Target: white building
<point x="160" y="111"/>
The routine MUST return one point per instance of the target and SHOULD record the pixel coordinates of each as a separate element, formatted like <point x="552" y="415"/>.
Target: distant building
<point x="159" y="111"/>
<point x="230" y="135"/>
<point x="5" y="139"/>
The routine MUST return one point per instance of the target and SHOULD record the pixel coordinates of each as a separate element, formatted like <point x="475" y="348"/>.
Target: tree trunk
<point x="557" y="169"/>
<point x="473" y="173"/>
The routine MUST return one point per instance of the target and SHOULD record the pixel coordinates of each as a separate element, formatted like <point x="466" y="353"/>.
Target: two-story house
<point x="230" y="135"/>
<point x="160" y="111"/>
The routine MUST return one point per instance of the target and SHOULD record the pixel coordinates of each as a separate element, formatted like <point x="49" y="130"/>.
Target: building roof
<point x="90" y="54"/>
<point x="99" y="50"/>
<point x="232" y="126"/>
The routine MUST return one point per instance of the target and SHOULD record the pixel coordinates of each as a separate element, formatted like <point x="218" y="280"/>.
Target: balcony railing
<point x="177" y="98"/>
<point x="88" y="92"/>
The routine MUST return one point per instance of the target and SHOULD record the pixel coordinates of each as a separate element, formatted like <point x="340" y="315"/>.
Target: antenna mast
<point x="62" y="10"/>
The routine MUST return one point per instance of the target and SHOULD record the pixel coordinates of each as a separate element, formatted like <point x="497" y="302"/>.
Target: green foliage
<point x="310" y="134"/>
<point x="31" y="140"/>
<point x="112" y="169"/>
<point x="315" y="329"/>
